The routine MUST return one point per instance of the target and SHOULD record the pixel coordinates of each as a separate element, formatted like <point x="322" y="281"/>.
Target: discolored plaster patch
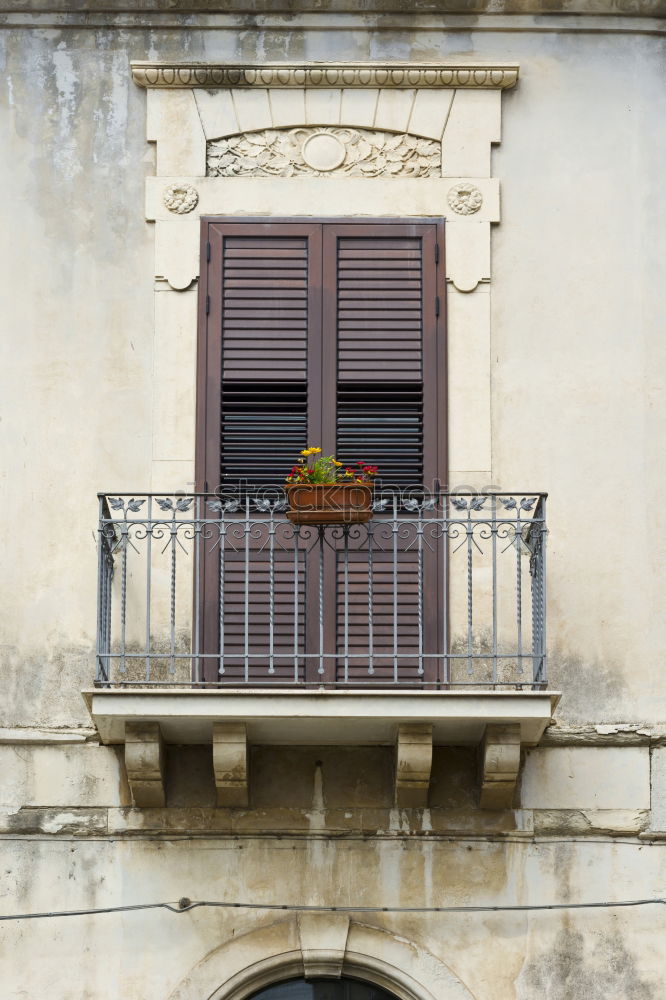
<point x="585" y="967"/>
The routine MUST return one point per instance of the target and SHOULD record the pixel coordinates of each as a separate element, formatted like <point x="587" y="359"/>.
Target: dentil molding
<point x="495" y="76"/>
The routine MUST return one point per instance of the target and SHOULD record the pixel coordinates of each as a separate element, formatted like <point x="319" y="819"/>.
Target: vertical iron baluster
<point x="534" y="589"/>
<point x="149" y="557"/>
<point x="123" y="592"/>
<point x="174" y="530"/>
<point x="470" y="593"/>
<point x="446" y="663"/>
<point x="395" y="589"/>
<point x="320" y="669"/>
<point x="419" y="535"/>
<point x="222" y="529"/>
<point x="247" y="592"/>
<point x="271" y="589"/>
<point x="538" y="586"/>
<point x="197" y="586"/>
<point x="346" y="600"/>
<point x="297" y="535"/>
<point x="109" y="611"/>
<point x="371" y="623"/>
<point x="542" y="590"/>
<point x="101" y="592"/>
<point x="519" y="592"/>
<point x="493" y="531"/>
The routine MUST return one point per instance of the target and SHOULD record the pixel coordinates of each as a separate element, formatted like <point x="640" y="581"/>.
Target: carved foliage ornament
<point x="355" y="152"/>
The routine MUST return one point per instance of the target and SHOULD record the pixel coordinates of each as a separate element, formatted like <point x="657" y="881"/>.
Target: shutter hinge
<point x="207" y="251"/>
<point x="437" y="306"/>
<point x="207" y="304"/>
<point x="206" y="486"/>
<point x="436" y="253"/>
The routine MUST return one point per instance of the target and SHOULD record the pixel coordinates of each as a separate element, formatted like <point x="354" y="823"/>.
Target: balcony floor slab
<point x="320" y="717"/>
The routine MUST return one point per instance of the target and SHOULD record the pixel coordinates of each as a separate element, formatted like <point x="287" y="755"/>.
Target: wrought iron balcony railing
<point x="442" y="592"/>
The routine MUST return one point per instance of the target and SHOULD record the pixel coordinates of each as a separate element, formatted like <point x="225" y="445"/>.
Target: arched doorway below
<point x="322" y="989"/>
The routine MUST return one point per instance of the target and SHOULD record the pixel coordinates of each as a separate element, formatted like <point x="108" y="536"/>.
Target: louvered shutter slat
<point x="380" y="402"/>
<point x="264" y="357"/>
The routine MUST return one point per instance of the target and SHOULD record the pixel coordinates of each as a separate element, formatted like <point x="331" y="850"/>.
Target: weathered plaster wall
<point x="566" y="955"/>
<point x="576" y="355"/>
<point x="577" y="409"/>
<point x="321" y="830"/>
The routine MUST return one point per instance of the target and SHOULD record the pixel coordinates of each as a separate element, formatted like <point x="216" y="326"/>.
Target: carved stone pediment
<point x="355" y="152"/>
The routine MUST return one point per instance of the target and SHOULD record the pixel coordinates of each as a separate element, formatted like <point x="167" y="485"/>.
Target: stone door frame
<point x="455" y="107"/>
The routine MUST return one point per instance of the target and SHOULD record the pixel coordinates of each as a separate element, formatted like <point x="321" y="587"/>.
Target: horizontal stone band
<point x="496" y="76"/>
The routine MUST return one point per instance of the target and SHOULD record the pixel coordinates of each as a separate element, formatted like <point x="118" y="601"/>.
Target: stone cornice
<point x="496" y="76"/>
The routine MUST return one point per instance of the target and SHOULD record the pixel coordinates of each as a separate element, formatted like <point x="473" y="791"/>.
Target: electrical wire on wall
<point x="185" y="905"/>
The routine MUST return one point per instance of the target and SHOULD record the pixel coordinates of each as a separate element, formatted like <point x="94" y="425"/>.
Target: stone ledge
<point x="436" y="824"/>
<point x="361" y="8"/>
<point x="320" y="717"/>
<point x="605" y="735"/>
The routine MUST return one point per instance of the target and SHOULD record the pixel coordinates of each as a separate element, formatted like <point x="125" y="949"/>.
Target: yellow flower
<point x="349" y="473"/>
<point x="336" y="463"/>
<point x="306" y="452"/>
<point x="315" y="451"/>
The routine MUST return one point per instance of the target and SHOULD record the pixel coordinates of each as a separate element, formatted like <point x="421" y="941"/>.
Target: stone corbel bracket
<point x="230" y="763"/>
<point x="413" y="765"/>
<point x="144" y="763"/>
<point x="499" y="766"/>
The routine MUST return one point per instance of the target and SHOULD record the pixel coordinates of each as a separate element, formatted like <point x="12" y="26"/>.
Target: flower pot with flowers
<point x="321" y="490"/>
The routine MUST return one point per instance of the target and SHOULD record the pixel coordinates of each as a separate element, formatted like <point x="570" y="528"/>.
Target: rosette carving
<point x="465" y="199"/>
<point x="181" y="198"/>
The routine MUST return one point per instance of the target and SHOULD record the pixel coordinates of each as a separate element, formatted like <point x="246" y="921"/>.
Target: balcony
<point x="221" y="621"/>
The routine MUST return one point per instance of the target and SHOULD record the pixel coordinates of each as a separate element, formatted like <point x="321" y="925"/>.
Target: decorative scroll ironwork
<point x="355" y="152"/>
<point x="482" y="555"/>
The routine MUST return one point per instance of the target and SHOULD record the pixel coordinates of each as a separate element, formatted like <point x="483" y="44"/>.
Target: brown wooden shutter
<point x="263" y="313"/>
<point x="381" y="312"/>
<point x="382" y="279"/>
<point x="261" y="305"/>
<point x="320" y="333"/>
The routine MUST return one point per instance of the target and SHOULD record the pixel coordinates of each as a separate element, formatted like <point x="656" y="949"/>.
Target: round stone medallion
<point x="465" y="199"/>
<point x="180" y="198"/>
<point x="323" y="151"/>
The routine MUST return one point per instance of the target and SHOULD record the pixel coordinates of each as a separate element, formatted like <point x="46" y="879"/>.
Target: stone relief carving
<point x="488" y="75"/>
<point x="356" y="152"/>
<point x="465" y="199"/>
<point x="181" y="198"/>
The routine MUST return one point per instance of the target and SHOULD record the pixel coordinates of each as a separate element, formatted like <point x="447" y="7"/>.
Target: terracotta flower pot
<point x="341" y="503"/>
